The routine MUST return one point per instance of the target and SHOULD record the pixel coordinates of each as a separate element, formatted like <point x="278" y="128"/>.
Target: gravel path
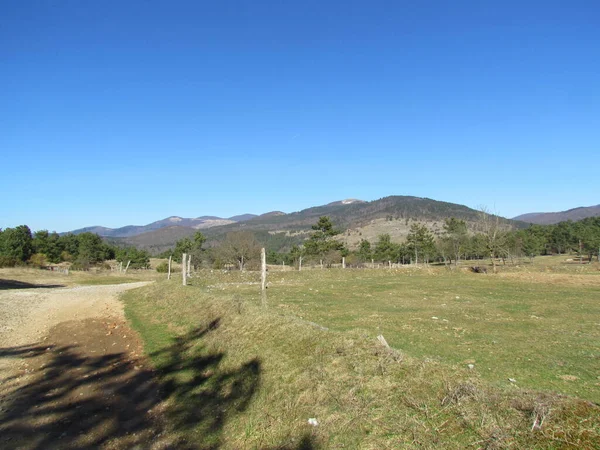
<point x="72" y="372"/>
<point x="26" y="315"/>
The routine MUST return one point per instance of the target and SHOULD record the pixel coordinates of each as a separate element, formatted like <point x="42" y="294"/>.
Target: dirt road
<point x="72" y="373"/>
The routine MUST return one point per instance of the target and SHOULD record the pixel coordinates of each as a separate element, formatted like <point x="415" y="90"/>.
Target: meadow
<point x="542" y="330"/>
<point x="476" y="360"/>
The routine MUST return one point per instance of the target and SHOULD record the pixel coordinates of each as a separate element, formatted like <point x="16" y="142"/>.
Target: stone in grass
<point x="312" y="421"/>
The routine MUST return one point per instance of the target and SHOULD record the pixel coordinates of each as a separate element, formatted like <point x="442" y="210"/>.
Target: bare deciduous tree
<point x="494" y="233"/>
<point x="239" y="247"/>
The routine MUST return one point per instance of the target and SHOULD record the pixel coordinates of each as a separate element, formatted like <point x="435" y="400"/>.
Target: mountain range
<point x="278" y="231"/>
<point x="548" y="218"/>
<point x="196" y="223"/>
<point x="357" y="219"/>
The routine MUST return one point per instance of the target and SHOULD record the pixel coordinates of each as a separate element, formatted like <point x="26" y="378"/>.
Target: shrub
<point x="81" y="264"/>
<point x="7" y="261"/>
<point x="38" y="260"/>
<point x="163" y="267"/>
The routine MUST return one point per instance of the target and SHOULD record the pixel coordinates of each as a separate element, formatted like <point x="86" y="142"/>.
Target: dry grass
<point x="41" y="278"/>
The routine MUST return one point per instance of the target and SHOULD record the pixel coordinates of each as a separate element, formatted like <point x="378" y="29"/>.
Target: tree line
<point x="19" y="246"/>
<point x="489" y="237"/>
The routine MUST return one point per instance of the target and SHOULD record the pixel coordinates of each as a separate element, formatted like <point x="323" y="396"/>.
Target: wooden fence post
<point x="343" y="262"/>
<point x="128" y="262"/>
<point x="169" y="275"/>
<point x="189" y="265"/>
<point x="300" y="264"/>
<point x="263" y="277"/>
<point x="263" y="270"/>
<point x="183" y="271"/>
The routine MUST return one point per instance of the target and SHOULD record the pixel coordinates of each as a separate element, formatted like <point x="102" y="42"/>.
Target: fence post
<point x="300" y="264"/>
<point x="128" y="262"/>
<point x="343" y="262"/>
<point x="169" y="275"/>
<point x="183" y="271"/>
<point x="189" y="264"/>
<point x="263" y="276"/>
<point x="263" y="269"/>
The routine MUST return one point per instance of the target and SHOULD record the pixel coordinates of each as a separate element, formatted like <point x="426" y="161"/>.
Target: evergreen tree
<point x="385" y="250"/>
<point x="140" y="259"/>
<point x="364" y="251"/>
<point x="16" y="244"/>
<point x="192" y="246"/>
<point x="456" y="237"/>
<point x="533" y="241"/>
<point x="91" y="249"/>
<point x="321" y="242"/>
<point x="421" y="242"/>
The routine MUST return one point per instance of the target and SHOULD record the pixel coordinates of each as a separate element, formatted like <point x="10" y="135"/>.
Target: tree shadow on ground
<point x="307" y="442"/>
<point x="78" y="400"/>
<point x="15" y="284"/>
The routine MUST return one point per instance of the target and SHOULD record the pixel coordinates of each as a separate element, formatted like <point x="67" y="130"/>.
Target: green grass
<point x="534" y="332"/>
<point x="265" y="372"/>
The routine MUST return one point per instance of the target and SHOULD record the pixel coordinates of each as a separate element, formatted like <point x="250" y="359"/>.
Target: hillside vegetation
<point x="280" y="231"/>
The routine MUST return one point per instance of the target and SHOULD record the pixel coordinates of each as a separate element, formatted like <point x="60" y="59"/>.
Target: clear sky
<point x="125" y="112"/>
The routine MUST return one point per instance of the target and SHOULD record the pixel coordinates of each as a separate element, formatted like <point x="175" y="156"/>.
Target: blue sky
<point x="125" y="112"/>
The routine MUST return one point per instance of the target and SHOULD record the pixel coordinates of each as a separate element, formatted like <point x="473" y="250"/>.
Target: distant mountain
<point x="157" y="241"/>
<point x="548" y="218"/>
<point x="357" y="219"/>
<point x="100" y="231"/>
<point x="242" y="217"/>
<point x="197" y="223"/>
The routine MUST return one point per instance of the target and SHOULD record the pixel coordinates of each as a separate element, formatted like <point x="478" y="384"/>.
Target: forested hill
<point x="356" y="214"/>
<point x="278" y="230"/>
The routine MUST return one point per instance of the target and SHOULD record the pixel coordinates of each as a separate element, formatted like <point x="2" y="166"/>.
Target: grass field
<point x="543" y="331"/>
<point x="267" y="371"/>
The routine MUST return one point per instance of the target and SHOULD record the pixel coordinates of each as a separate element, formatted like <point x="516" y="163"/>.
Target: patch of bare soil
<point x="72" y="373"/>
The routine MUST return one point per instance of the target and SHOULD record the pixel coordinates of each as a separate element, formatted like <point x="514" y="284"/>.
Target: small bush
<point x="163" y="267"/>
<point x="7" y="261"/>
<point x="38" y="260"/>
<point x="66" y="256"/>
<point x="81" y="264"/>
